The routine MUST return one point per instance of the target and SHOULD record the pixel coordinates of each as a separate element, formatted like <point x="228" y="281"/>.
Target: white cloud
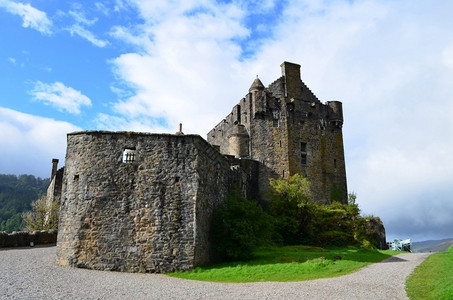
<point x="86" y="34"/>
<point x="30" y="142"/>
<point x="80" y="18"/>
<point x="31" y="16"/>
<point x="388" y="62"/>
<point x="190" y="51"/>
<point x="80" y="26"/>
<point x="119" y="123"/>
<point x="60" y="96"/>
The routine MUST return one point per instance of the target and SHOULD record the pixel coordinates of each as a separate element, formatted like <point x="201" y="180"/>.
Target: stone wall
<point x="26" y="239"/>
<point x="150" y="214"/>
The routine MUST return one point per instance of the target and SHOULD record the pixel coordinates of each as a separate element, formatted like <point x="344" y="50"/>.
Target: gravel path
<point x="32" y="273"/>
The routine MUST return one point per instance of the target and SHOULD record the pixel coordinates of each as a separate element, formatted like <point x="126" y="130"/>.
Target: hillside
<point x="16" y="195"/>
<point x="432" y="245"/>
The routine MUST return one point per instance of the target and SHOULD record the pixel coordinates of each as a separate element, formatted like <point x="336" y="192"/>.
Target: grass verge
<point x="291" y="263"/>
<point x="432" y="279"/>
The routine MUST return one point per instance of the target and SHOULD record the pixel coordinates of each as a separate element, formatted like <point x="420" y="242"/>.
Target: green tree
<point x="239" y="226"/>
<point x="42" y="216"/>
<point x="352" y="197"/>
<point x="295" y="189"/>
<point x="16" y="195"/>
<point x="291" y="208"/>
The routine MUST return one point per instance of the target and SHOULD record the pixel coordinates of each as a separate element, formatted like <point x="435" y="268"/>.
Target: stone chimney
<point x="54" y="168"/>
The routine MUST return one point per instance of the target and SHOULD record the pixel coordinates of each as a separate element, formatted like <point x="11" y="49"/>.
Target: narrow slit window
<point x="304" y="159"/>
<point x="303" y="147"/>
<point x="303" y="153"/>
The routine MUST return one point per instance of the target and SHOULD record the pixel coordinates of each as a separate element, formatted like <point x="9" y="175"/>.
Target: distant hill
<point x="431" y="245"/>
<point x="16" y="195"/>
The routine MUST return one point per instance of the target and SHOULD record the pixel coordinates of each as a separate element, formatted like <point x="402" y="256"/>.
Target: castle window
<point x="303" y="147"/>
<point x="275" y="123"/>
<point x="303" y="153"/>
<point x="129" y="155"/>
<point x="304" y="159"/>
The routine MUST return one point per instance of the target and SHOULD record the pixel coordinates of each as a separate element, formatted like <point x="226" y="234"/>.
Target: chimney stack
<point x="54" y="168"/>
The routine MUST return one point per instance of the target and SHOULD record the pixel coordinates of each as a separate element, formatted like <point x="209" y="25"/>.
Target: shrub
<point x="239" y="226"/>
<point x="300" y="221"/>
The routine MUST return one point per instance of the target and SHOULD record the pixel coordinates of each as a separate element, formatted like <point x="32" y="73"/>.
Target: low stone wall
<point x="26" y="239"/>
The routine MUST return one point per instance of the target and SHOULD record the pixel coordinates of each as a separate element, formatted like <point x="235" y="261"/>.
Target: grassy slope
<point x="292" y="263"/>
<point x="433" y="279"/>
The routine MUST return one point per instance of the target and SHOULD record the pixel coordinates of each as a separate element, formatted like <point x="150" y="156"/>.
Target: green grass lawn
<point x="291" y="263"/>
<point x="432" y="279"/>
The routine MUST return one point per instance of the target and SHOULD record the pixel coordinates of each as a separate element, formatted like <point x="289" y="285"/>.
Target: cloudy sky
<point x="141" y="65"/>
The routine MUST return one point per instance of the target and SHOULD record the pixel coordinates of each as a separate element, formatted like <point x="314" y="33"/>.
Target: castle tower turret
<point x="336" y="113"/>
<point x="257" y="85"/>
<point x="257" y="98"/>
<point x="239" y="141"/>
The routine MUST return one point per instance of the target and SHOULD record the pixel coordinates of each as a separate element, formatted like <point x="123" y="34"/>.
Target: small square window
<point x="129" y="155"/>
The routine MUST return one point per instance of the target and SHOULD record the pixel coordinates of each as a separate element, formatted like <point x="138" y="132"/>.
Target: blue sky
<point x="141" y="65"/>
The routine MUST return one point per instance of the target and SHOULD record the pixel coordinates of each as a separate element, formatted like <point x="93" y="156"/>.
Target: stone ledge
<point x="25" y="239"/>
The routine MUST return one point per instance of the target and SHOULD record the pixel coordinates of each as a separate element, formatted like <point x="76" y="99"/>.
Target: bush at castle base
<point x="301" y="222"/>
<point x="239" y="226"/>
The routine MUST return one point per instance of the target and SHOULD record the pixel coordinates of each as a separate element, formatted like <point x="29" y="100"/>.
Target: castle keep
<point x="288" y="130"/>
<point x="142" y="202"/>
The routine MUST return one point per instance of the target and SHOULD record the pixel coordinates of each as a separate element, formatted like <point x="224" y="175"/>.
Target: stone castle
<point x="143" y="202"/>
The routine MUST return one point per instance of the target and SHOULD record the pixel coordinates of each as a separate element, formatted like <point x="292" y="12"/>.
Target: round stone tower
<point x="239" y="141"/>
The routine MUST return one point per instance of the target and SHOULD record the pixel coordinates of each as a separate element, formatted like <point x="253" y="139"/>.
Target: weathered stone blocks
<point x="151" y="214"/>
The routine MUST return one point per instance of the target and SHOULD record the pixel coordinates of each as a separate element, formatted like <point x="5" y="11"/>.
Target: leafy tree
<point x="16" y="195"/>
<point x="291" y="207"/>
<point x="352" y="197"/>
<point x="295" y="189"/>
<point x="42" y="216"/>
<point x="300" y="221"/>
<point x="239" y="226"/>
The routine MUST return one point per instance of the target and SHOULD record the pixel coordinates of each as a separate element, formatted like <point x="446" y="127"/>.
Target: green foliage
<point x="295" y="189"/>
<point x="352" y="197"/>
<point x="432" y="279"/>
<point x="299" y="221"/>
<point x="290" y="207"/>
<point x="16" y="195"/>
<point x="239" y="226"/>
<point x="290" y="263"/>
<point x="42" y="216"/>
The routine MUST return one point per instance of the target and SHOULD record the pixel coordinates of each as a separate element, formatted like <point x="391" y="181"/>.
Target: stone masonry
<point x="148" y="212"/>
<point x="143" y="202"/>
<point x="288" y="130"/>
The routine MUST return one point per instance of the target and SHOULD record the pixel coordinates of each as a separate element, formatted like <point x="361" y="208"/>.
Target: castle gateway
<point x="142" y="202"/>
